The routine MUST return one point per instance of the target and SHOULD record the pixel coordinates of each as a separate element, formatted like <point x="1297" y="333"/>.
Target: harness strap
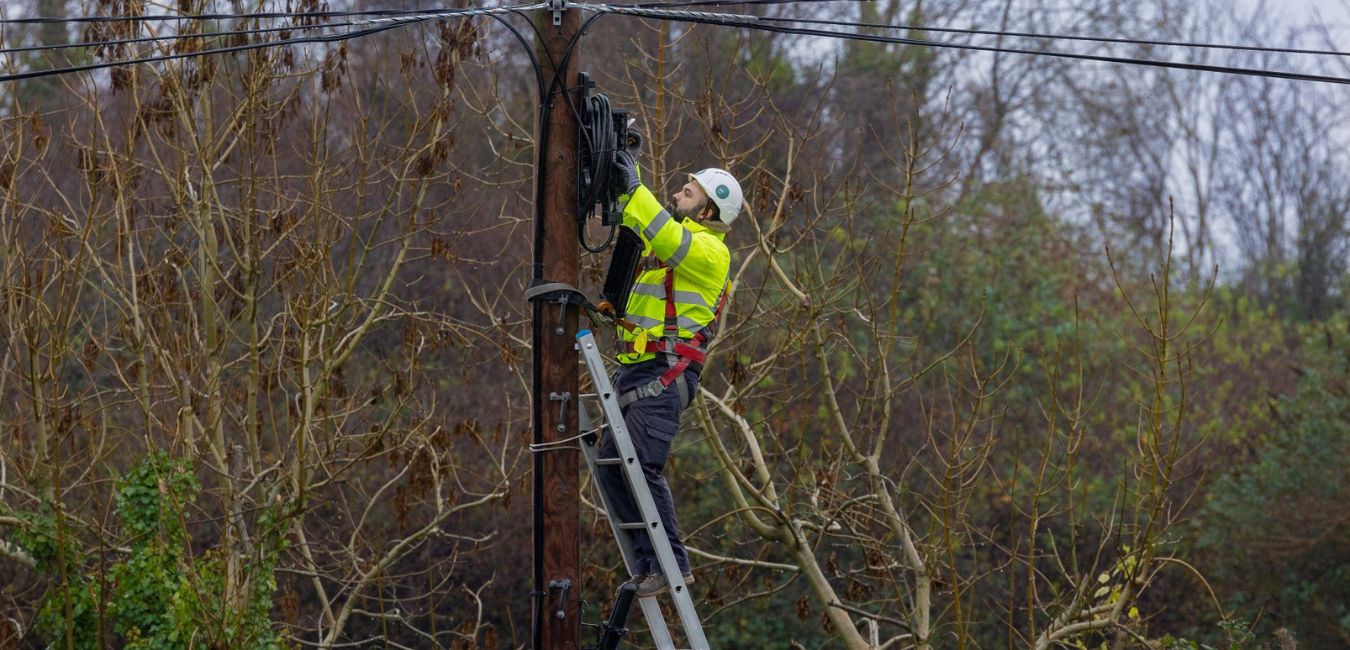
<point x="654" y="388"/>
<point x="683" y="349"/>
<point x="672" y="317"/>
<point x="680" y="354"/>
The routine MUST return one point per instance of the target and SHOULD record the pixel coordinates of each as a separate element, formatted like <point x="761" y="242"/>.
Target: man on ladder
<point x="674" y="306"/>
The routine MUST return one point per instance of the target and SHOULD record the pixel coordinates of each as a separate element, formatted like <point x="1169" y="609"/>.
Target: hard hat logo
<point x="723" y="192"/>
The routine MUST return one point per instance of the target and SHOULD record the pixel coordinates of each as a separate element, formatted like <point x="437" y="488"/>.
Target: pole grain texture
<point x="556" y="491"/>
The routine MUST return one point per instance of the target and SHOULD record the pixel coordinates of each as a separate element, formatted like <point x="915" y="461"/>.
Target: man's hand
<point x="626" y="174"/>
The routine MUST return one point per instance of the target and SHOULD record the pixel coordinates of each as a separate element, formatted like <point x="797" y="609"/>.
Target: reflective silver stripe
<point x="686" y="240"/>
<point x="681" y="297"/>
<point x="644" y="322"/>
<point x="691" y="298"/>
<point x="657" y="223"/>
<point x="655" y="291"/>
<point x="684" y="322"/>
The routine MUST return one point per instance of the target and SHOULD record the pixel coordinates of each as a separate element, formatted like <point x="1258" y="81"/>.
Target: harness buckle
<point x="651" y="389"/>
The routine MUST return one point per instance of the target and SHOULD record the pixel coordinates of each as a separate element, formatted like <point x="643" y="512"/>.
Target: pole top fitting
<point x="557" y="7"/>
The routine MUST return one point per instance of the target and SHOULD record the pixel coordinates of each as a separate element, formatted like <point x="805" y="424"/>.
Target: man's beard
<point x="675" y="212"/>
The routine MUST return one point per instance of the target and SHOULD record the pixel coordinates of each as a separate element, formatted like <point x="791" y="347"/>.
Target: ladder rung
<point x="609" y="461"/>
<point x="637" y="525"/>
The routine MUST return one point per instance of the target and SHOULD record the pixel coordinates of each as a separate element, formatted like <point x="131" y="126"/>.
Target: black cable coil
<point x="603" y="131"/>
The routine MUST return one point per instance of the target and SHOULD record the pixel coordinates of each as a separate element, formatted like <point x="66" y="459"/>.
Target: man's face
<point x="690" y="200"/>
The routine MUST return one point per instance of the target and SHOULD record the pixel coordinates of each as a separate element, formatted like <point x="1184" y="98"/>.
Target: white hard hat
<point x="724" y="191"/>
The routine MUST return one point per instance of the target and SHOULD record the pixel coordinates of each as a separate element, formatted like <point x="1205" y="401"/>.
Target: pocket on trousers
<point x="651" y="435"/>
<point x="662" y="429"/>
<point x="663" y="415"/>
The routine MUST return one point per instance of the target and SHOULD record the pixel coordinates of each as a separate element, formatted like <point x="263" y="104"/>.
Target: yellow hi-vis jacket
<point x="701" y="264"/>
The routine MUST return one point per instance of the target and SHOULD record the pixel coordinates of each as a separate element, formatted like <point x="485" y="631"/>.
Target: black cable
<point x="721" y="3"/>
<point x="172" y="17"/>
<point x="411" y="18"/>
<point x="554" y="64"/>
<point x="567" y="55"/>
<point x="174" y="37"/>
<point x="602" y="145"/>
<point x="293" y="27"/>
<point x="753" y="22"/>
<point x="560" y="87"/>
<point x="539" y="38"/>
<point x="221" y="50"/>
<point x="545" y="110"/>
<point x="1065" y="37"/>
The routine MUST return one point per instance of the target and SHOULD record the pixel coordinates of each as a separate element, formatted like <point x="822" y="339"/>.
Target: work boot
<point x="637" y="579"/>
<point x="655" y="585"/>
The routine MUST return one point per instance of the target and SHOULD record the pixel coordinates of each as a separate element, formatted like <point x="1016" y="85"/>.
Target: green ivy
<point x="1261" y="536"/>
<point x="162" y="598"/>
<point x="39" y="538"/>
<point x="83" y="597"/>
<point x="151" y="497"/>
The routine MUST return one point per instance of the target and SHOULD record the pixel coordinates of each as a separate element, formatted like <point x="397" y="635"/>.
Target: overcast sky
<point x="1334" y="12"/>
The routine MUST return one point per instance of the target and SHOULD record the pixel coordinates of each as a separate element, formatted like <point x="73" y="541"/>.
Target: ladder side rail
<point x="656" y="622"/>
<point x="651" y="608"/>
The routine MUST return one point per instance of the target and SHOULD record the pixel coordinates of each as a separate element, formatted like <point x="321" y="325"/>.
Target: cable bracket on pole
<point x="557" y="7"/>
<point x="562" y="294"/>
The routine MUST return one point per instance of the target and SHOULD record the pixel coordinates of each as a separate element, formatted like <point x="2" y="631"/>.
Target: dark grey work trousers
<point x="652" y="424"/>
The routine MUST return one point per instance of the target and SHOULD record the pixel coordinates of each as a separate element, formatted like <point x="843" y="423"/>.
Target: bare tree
<point x="223" y="258"/>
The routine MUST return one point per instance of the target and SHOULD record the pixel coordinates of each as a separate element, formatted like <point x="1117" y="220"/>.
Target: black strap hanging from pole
<point x="622" y="273"/>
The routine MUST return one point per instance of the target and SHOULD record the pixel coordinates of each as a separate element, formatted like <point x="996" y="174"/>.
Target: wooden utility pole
<point x="557" y="563"/>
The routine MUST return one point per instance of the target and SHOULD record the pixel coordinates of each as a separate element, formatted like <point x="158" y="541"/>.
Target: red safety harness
<point x="681" y="354"/>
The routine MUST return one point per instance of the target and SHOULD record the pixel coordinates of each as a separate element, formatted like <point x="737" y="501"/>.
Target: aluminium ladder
<point x="637" y="483"/>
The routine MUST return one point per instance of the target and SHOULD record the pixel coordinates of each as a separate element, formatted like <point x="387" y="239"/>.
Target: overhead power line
<point x="396" y="18"/>
<point x="1063" y="37"/>
<point x="648" y="5"/>
<point x="757" y="23"/>
<point x="33" y="74"/>
<point x="669" y="5"/>
<point x="383" y="24"/>
<point x="177" y="37"/>
<point x="721" y="3"/>
<point x="37" y="20"/>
